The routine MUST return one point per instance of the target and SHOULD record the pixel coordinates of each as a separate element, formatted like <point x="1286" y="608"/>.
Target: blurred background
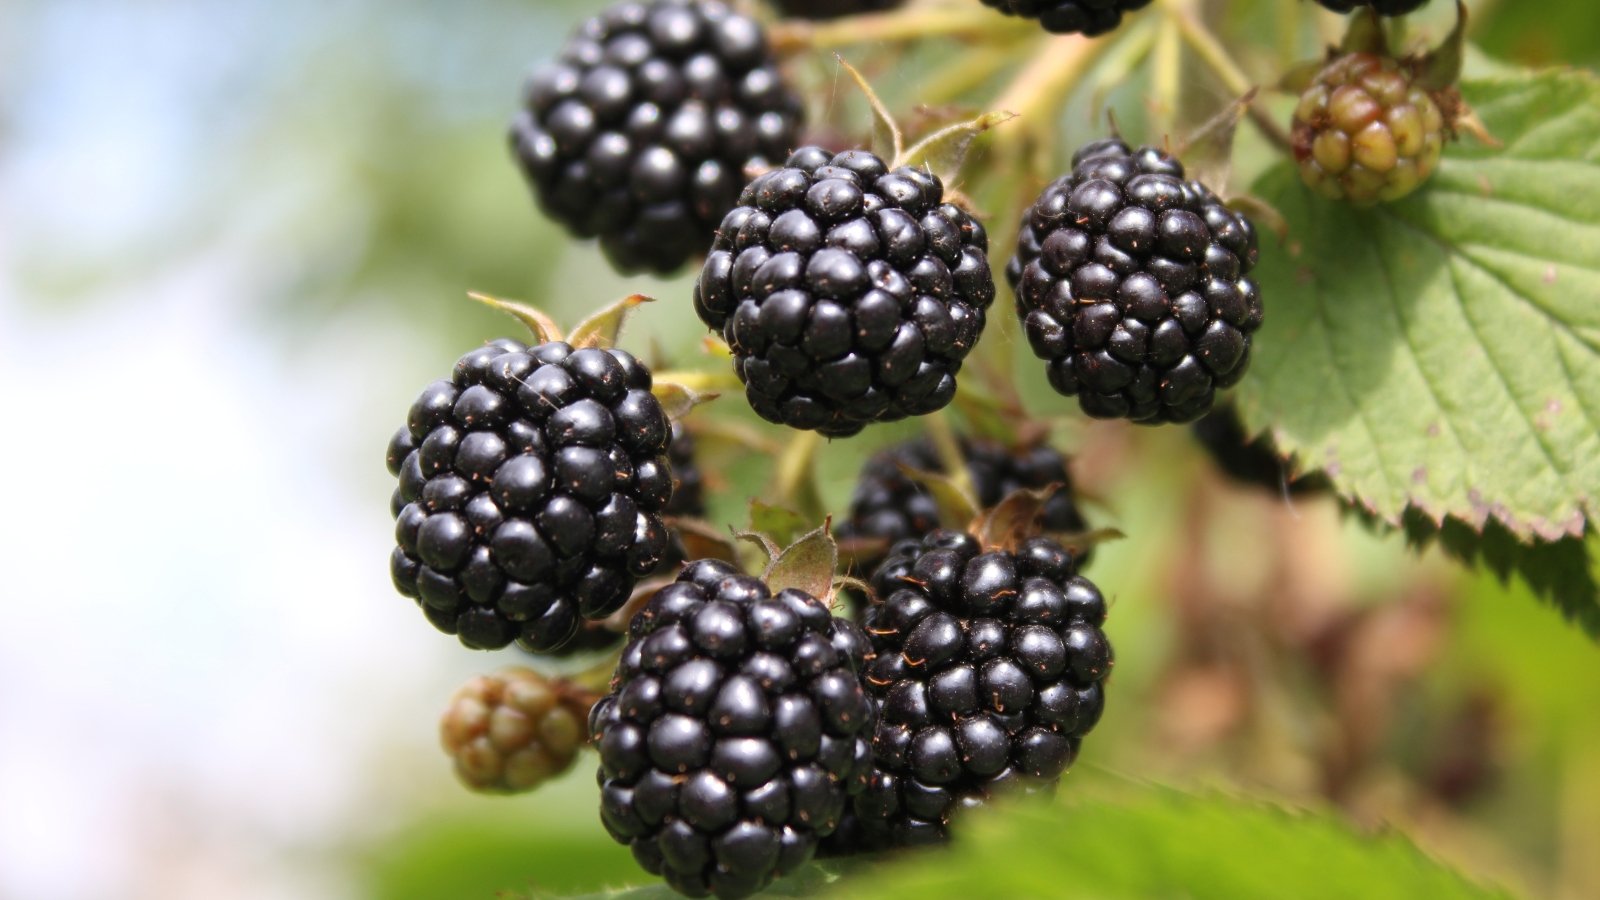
<point x="235" y="240"/>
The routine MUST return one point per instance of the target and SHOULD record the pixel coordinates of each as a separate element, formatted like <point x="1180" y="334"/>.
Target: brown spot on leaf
<point x="1550" y="274"/>
<point x="1419" y="475"/>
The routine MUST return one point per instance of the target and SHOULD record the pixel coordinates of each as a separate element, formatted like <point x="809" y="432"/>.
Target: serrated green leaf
<point x="1564" y="573"/>
<point x="1443" y="353"/>
<point x="810" y="564"/>
<point x="1135" y="840"/>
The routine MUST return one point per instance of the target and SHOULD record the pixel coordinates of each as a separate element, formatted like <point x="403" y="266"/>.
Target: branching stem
<point x="1216" y="57"/>
<point x="898" y="26"/>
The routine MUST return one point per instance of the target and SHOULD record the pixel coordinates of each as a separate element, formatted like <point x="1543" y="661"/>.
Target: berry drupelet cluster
<point x="1366" y="132"/>
<point x="988" y="672"/>
<point x="688" y="501"/>
<point x="641" y="132"/>
<point x="1132" y="283"/>
<point x="890" y="506"/>
<point x="512" y="731"/>
<point x="1088" y="17"/>
<point x="531" y="489"/>
<point x="849" y="293"/>
<point x="735" y="732"/>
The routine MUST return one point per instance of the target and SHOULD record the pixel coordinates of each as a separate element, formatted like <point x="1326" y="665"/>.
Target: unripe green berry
<point x="512" y="731"/>
<point x="1365" y="132"/>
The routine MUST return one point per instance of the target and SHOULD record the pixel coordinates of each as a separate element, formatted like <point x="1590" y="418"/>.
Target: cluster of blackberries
<point x="735" y="733"/>
<point x="746" y="727"/>
<point x="1088" y="17"/>
<point x="531" y="489"/>
<point x="642" y="132"/>
<point x="1132" y="283"/>
<point x="849" y="293"/>
<point x="890" y="505"/>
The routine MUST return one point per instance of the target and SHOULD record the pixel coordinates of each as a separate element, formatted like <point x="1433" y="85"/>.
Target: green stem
<point x="701" y="381"/>
<point x="898" y="26"/>
<point x="1166" y="76"/>
<point x="795" y="476"/>
<point x="951" y="458"/>
<point x="1216" y="57"/>
<point x="1046" y="82"/>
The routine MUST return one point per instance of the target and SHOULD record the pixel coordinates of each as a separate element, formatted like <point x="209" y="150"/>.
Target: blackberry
<point x="1381" y="7"/>
<point x="641" y="132"/>
<point x="512" y="731"/>
<point x="531" y="490"/>
<point x="1088" y="17"/>
<point x="989" y="671"/>
<point x="1131" y="282"/>
<point x="890" y="506"/>
<point x="1366" y="132"/>
<point x="1253" y="462"/>
<point x="831" y="9"/>
<point x="849" y="293"/>
<point x="736" y="730"/>
<point x="688" y="499"/>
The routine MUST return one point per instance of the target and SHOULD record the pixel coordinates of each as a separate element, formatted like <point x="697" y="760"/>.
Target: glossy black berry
<point x="849" y="294"/>
<point x="688" y="500"/>
<point x="531" y="489"/>
<point x="640" y="133"/>
<point x="985" y="677"/>
<point x="831" y="9"/>
<point x="1252" y="461"/>
<point x="736" y="730"/>
<point x="889" y="506"/>
<point x="1131" y="282"/>
<point x="1381" y="7"/>
<point x="1090" y="17"/>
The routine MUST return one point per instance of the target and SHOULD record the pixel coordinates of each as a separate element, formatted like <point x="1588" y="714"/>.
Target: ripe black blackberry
<point x="1088" y="17"/>
<point x="831" y="9"/>
<point x="688" y="500"/>
<point x="640" y="133"/>
<point x="988" y="673"/>
<point x="890" y="506"/>
<point x="850" y="294"/>
<point x="531" y="490"/>
<point x="736" y="730"/>
<point x="1253" y="462"/>
<point x="1381" y="7"/>
<point x="1132" y="283"/>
